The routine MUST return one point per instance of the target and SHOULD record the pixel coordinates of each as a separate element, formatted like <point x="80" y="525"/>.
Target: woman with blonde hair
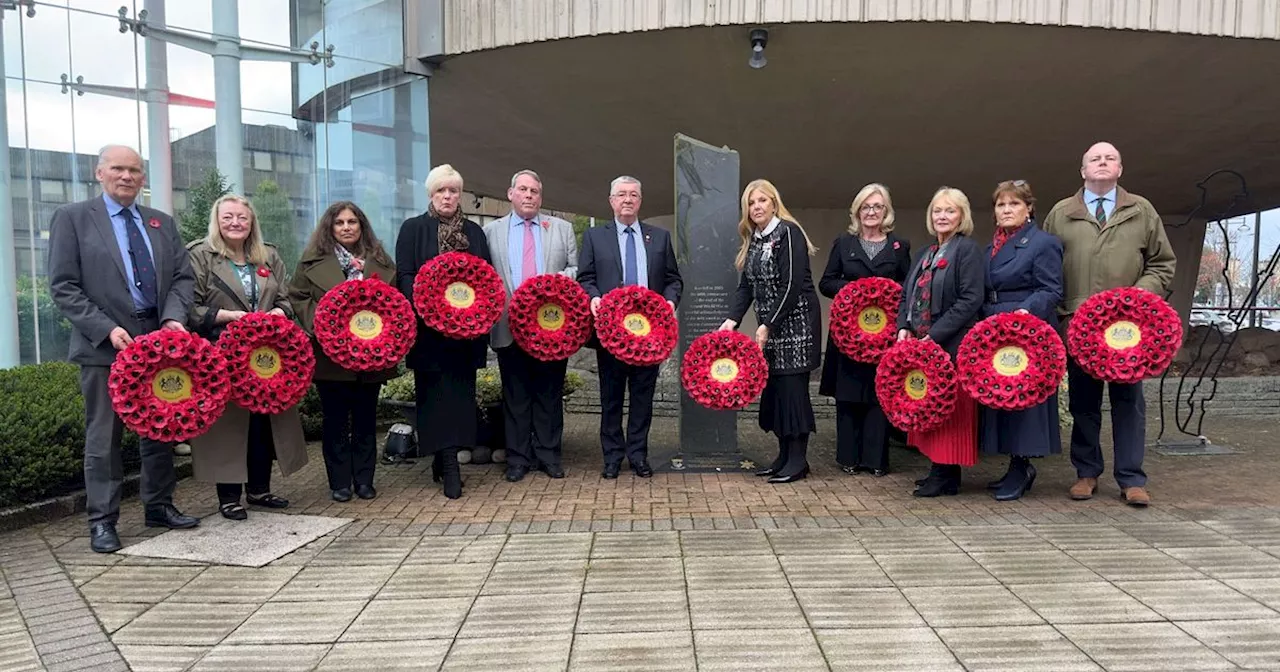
<point x="444" y="369"/>
<point x="774" y="262"/>
<point x="868" y="250"/>
<point x="941" y="301"/>
<point x="238" y="273"/>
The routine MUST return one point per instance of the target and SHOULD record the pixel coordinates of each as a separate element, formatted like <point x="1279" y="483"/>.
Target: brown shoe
<point x="1136" y="496"/>
<point x="1084" y="488"/>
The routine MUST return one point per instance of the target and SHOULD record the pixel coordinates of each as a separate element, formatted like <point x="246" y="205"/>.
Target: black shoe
<point x="366" y="492"/>
<point x="341" y="495"/>
<point x="168" y="515"/>
<point x="1018" y="485"/>
<point x="778" y="462"/>
<point x="610" y="471"/>
<point x="642" y="469"/>
<point x="516" y="473"/>
<point x="267" y="500"/>
<point x="850" y="470"/>
<point x="452" y="473"/>
<point x="552" y="470"/>
<point x="935" y="471"/>
<point x="233" y="511"/>
<point x="879" y="473"/>
<point x="103" y="538"/>
<point x="798" y="476"/>
<point x="1016" y="466"/>
<point x="945" y="482"/>
<point x="767" y="471"/>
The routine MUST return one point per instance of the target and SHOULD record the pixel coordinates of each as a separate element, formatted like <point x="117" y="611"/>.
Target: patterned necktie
<point x="144" y="269"/>
<point x="529" y="267"/>
<point x="1099" y="213"/>
<point x="630" y="274"/>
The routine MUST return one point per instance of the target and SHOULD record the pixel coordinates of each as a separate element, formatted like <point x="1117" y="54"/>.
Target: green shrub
<point x="312" y="415"/>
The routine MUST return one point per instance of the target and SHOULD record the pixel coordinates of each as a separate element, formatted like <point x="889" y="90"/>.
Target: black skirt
<point x="785" y="408"/>
<point x="446" y="403"/>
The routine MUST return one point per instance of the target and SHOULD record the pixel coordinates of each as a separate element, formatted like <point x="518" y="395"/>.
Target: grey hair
<point x="625" y="179"/>
<point x="528" y="172"/>
<point x="102" y="153"/>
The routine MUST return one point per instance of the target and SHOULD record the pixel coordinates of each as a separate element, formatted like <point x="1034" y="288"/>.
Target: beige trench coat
<point x="218" y="455"/>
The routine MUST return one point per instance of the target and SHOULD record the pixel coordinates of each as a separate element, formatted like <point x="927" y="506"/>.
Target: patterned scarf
<point x="1002" y="236"/>
<point x="452" y="238"/>
<point x="352" y="266"/>
<point x="924" y="292"/>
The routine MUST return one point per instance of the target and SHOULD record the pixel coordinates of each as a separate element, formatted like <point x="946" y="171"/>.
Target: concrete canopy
<point x="912" y="105"/>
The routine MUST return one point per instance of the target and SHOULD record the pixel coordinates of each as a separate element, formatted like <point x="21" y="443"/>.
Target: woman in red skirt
<point x="942" y="300"/>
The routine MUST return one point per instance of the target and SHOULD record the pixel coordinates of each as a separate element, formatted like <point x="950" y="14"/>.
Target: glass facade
<point x="351" y="126"/>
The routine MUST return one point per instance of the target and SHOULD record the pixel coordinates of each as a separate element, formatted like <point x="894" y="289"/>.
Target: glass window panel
<point x="262" y="161"/>
<point x="45" y="43"/>
<point x="99" y="51"/>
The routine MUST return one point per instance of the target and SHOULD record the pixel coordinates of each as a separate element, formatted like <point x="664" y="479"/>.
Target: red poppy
<point x="1011" y="361"/>
<point x="897" y="245"/>
<point x="169" y="385"/>
<point x="942" y="263"/>
<point x="863" y="316"/>
<point x="636" y="325"/>
<point x="269" y="361"/>
<point x="916" y="385"/>
<point x="153" y="223"/>
<point x="1124" y="335"/>
<point x="459" y="295"/>
<point x="546" y="224"/>
<point x="550" y="316"/>
<point x="724" y="370"/>
<point x="365" y="325"/>
<point x="264" y="271"/>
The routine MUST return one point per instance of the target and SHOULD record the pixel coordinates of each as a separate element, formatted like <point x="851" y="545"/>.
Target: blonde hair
<point x="442" y="176"/>
<point x="255" y="251"/>
<point x="958" y="199"/>
<point x="886" y="224"/>
<point x="746" y="228"/>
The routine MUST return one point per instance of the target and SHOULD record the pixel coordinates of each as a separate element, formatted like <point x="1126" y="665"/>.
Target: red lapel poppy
<point x="942" y="263"/>
<point x="897" y="245"/>
<point x="153" y="223"/>
<point x="264" y="271"/>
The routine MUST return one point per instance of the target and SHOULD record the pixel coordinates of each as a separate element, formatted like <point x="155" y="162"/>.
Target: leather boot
<point x="797" y="465"/>
<point x="946" y="483"/>
<point x="778" y="461"/>
<point x="1008" y="473"/>
<point x="935" y="471"/>
<point x="1021" y="476"/>
<point x="451" y="473"/>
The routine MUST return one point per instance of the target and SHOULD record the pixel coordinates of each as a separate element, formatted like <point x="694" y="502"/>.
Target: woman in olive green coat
<point x="343" y="247"/>
<point x="237" y="273"/>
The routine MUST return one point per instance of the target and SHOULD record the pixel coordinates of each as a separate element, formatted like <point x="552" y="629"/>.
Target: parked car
<point x="1205" y="317"/>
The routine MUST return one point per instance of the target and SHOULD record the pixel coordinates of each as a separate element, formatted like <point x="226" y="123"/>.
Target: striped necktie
<point x="1100" y="213"/>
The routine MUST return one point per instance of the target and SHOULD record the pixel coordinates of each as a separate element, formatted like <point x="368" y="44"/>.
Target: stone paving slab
<point x="534" y="653"/>
<point x="250" y="543"/>
<point x="740" y="650"/>
<point x="887" y="650"/>
<point x="650" y="611"/>
<point x="1033" y="648"/>
<point x="633" y="652"/>
<point x="414" y="654"/>
<point x="1140" y="647"/>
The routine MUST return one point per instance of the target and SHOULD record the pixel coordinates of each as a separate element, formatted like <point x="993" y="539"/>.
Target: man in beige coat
<point x="1110" y="238"/>
<point x="526" y="243"/>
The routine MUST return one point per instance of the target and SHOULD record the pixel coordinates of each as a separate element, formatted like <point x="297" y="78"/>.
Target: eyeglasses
<point x="872" y="207"/>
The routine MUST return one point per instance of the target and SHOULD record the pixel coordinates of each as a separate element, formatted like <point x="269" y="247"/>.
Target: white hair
<point x="102" y="153"/>
<point x="440" y="176"/>
<point x="530" y="173"/>
<point x="625" y="179"/>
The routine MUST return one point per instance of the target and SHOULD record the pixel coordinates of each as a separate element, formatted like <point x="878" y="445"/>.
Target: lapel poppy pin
<point x="897" y="245"/>
<point x="546" y="224"/>
<point x="153" y="223"/>
<point x="648" y="238"/>
<point x="264" y="271"/>
<point x="942" y="263"/>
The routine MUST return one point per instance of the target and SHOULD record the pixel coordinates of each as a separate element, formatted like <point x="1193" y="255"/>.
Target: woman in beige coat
<point x="237" y="274"/>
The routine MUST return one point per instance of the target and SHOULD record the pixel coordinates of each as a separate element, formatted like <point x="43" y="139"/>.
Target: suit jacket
<point x="219" y="288"/>
<point x="89" y="285"/>
<point x="1025" y="274"/>
<point x="600" y="263"/>
<point x="418" y="243"/>
<point x="957" y="293"/>
<point x="317" y="274"/>
<point x="559" y="255"/>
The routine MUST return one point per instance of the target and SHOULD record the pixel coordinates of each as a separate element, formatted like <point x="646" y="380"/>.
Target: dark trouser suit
<point x="103" y="467"/>
<point x="862" y="435"/>
<point x="1128" y="427"/>
<point x="532" y="407"/>
<point x="259" y="453"/>
<point x="616" y="379"/>
<point x="350" y="449"/>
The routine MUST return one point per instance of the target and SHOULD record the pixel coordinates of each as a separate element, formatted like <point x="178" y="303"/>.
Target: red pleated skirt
<point x="954" y="441"/>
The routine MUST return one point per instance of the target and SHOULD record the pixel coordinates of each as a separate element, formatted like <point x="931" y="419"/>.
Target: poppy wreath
<point x="1011" y="361"/>
<point x="863" y="316"/>
<point x="636" y="325"/>
<point x="1124" y="335"/>
<point x="724" y="370"/>
<point x="169" y="385"/>
<point x="365" y="325"/>
<point x="459" y="295"/>
<point x="916" y="385"/>
<point x="269" y="361"/>
<point x="550" y="316"/>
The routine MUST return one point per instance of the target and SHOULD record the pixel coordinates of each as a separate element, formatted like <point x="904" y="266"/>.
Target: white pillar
<point x="229" y="134"/>
<point x="160" y="163"/>
<point x="8" y="256"/>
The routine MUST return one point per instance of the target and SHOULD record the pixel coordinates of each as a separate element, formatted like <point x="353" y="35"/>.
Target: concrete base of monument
<point x="703" y="462"/>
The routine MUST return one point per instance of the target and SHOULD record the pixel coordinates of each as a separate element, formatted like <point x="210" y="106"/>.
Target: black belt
<point x="1012" y="295"/>
<point x="147" y="314"/>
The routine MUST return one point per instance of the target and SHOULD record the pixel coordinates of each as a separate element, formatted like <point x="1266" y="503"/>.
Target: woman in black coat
<point x="774" y="261"/>
<point x="444" y="369"/>
<point x="868" y="250"/>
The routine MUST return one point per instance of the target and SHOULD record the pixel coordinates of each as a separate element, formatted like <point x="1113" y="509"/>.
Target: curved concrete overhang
<point x="913" y="104"/>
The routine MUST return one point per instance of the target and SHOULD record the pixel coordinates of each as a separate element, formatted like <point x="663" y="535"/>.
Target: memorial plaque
<point x="706" y="228"/>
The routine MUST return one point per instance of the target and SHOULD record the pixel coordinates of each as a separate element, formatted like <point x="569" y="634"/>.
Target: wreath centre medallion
<point x="171" y="385"/>
<point x="872" y="320"/>
<point x="551" y="317"/>
<point x="916" y="384"/>
<point x="1010" y="360"/>
<point x="460" y="295"/>
<point x="724" y="370"/>
<point x="366" y="325"/>
<point x="264" y="361"/>
<point x="1123" y="335"/>
<point x="637" y="324"/>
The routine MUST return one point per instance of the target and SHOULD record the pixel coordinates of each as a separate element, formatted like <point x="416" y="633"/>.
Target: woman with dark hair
<point x="343" y="247"/>
<point x="1024" y="274"/>
<point x="444" y="369"/>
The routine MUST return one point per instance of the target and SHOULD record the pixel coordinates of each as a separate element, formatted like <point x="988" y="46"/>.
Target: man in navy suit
<point x="626" y="252"/>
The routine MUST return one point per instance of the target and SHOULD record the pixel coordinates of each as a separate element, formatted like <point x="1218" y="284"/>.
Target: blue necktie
<point x="629" y="272"/>
<point x="144" y="269"/>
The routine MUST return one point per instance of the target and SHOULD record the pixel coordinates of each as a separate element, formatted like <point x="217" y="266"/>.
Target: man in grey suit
<point x="118" y="270"/>
<point x="526" y="243"/>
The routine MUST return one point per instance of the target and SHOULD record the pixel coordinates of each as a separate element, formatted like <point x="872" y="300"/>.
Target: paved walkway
<point x="685" y="571"/>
